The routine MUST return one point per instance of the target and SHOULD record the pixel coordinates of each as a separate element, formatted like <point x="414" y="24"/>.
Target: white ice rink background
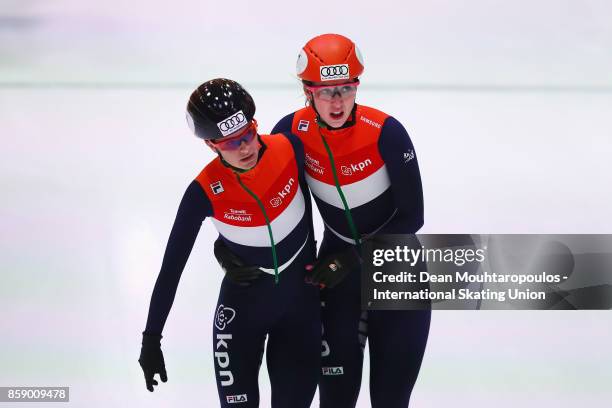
<point x="509" y="106"/>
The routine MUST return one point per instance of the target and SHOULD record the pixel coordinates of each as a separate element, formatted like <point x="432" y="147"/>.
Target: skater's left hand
<point x="234" y="267"/>
<point x="152" y="360"/>
<point x="331" y="270"/>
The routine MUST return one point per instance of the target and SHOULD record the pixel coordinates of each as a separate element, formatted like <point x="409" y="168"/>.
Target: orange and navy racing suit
<point x="264" y="216"/>
<point x="365" y="180"/>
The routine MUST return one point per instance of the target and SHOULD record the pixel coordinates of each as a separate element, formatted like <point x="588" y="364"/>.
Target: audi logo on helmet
<point x="331" y="72"/>
<point x="235" y="122"/>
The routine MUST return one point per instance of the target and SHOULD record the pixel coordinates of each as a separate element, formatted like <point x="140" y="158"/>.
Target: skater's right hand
<point x="234" y="267"/>
<point x="152" y="360"/>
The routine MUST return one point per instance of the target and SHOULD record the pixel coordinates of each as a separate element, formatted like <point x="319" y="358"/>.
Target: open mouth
<point x="247" y="158"/>
<point x="336" y="115"/>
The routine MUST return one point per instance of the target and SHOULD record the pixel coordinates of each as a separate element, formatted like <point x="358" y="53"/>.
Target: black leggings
<point x="397" y="340"/>
<point x="289" y="315"/>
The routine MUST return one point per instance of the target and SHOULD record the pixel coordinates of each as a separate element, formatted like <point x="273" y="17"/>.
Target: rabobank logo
<point x="355" y="168"/>
<point x="314" y="165"/>
<point x="236" y="399"/>
<point x="237" y="215"/>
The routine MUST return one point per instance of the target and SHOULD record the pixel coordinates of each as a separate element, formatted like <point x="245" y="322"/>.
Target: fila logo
<point x="217" y="187"/>
<point x="332" y="370"/>
<point x="332" y="72"/>
<point x="276" y="201"/>
<point x="236" y="399"/>
<point x="224" y="316"/>
<point x="303" y="125"/>
<point x="222" y="357"/>
<point x="408" y="156"/>
<point x="348" y="171"/>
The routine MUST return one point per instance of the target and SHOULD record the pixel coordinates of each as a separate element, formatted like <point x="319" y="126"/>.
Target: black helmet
<point x="218" y="108"/>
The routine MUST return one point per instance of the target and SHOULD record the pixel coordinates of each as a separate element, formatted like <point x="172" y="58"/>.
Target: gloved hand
<point x="331" y="270"/>
<point x="234" y="267"/>
<point x="152" y="359"/>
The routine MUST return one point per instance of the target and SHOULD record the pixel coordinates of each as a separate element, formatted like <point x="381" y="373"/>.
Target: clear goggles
<point x="234" y="142"/>
<point x="327" y="92"/>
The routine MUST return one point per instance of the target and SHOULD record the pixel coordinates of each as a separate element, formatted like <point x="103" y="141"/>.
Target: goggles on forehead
<point x="234" y="142"/>
<point x="327" y="92"/>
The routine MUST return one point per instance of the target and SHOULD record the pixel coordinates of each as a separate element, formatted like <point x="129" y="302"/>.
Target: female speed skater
<point x="257" y="198"/>
<point x="363" y="172"/>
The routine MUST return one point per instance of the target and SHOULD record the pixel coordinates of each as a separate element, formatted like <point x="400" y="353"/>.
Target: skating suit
<point x="370" y="168"/>
<point x="251" y="210"/>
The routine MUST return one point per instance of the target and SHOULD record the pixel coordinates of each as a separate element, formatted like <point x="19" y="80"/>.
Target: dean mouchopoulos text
<point x="487" y="272"/>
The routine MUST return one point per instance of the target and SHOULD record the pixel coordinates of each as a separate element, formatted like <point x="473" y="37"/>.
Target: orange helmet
<point x="329" y="57"/>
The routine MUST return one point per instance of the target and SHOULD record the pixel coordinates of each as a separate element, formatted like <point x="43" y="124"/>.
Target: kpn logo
<point x="355" y="168"/>
<point x="236" y="399"/>
<point x="278" y="199"/>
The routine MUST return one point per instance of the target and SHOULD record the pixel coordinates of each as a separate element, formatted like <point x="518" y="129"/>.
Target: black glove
<point x="331" y="270"/>
<point x="152" y="360"/>
<point x="234" y="268"/>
